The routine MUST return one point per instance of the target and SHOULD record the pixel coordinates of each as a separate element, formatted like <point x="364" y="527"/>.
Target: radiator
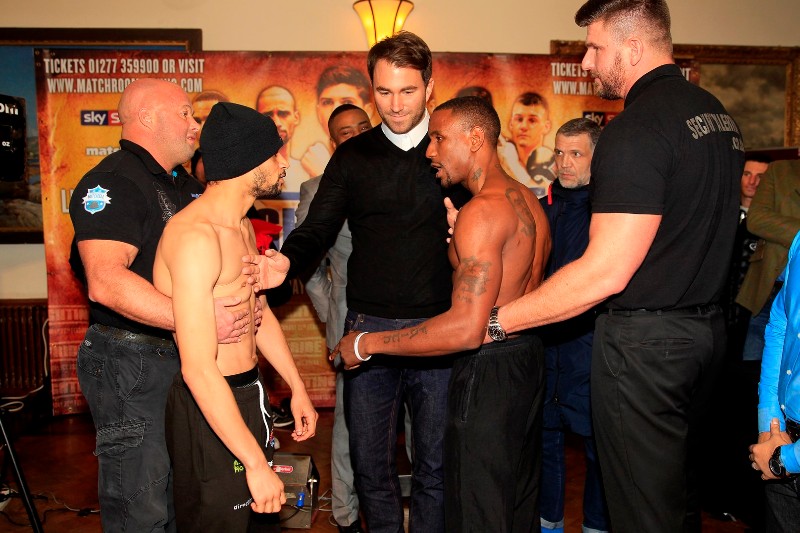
<point x="22" y="362"/>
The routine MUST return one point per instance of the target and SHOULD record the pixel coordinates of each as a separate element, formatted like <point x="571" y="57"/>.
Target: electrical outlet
<point x="5" y="497"/>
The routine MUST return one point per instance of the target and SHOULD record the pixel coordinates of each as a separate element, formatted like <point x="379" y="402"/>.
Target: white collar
<point x="407" y="141"/>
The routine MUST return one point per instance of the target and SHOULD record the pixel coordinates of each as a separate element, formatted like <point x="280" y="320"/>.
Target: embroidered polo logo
<point x="96" y="200"/>
<point x="168" y="207"/>
<point x="238" y="467"/>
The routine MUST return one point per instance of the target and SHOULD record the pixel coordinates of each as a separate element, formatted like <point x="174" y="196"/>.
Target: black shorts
<point x="209" y="483"/>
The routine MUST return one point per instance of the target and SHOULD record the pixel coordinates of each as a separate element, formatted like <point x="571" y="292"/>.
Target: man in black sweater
<point x="398" y="275"/>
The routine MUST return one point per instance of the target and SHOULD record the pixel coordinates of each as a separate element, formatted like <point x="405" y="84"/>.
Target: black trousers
<point x="783" y="505"/>
<point x="652" y="377"/>
<point x="210" y="485"/>
<point x="493" y="438"/>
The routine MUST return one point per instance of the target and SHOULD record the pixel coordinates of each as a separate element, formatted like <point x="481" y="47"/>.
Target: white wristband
<point x="355" y="347"/>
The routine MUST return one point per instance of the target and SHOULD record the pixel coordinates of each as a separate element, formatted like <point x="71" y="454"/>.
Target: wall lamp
<point x="382" y="18"/>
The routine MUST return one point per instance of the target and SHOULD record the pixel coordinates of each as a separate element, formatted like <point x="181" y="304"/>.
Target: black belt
<point x="694" y="310"/>
<point x="793" y="429"/>
<point x="140" y="338"/>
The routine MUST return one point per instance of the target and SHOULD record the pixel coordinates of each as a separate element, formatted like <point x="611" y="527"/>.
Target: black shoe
<point x="282" y="416"/>
<point x="355" y="527"/>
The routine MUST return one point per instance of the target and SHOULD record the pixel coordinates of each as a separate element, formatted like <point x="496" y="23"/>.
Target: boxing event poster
<point x="77" y="96"/>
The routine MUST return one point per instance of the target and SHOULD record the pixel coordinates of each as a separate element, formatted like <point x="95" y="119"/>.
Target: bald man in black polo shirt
<point x="127" y="359"/>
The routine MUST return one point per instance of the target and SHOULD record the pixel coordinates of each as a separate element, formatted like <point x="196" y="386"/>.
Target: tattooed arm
<point x="477" y="249"/>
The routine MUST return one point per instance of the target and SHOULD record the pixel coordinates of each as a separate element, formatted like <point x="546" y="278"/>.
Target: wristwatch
<point x="496" y="331"/>
<point x="776" y="464"/>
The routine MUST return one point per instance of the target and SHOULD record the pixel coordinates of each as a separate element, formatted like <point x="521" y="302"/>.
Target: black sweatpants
<point x="210" y="486"/>
<point x="493" y="438"/>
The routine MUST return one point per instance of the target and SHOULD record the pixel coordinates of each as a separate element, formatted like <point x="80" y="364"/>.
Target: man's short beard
<point x="612" y="84"/>
<point x="273" y="191"/>
<point x="259" y="191"/>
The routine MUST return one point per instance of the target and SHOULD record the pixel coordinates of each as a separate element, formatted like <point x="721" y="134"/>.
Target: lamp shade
<point x="382" y="18"/>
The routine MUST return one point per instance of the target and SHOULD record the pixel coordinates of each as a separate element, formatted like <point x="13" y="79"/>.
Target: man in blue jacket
<point x="777" y="453"/>
<point x="568" y="344"/>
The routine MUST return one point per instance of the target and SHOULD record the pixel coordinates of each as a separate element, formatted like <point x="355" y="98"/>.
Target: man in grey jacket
<point x="328" y="296"/>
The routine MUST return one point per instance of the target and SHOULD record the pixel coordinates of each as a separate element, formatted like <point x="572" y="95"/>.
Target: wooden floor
<point x="56" y="458"/>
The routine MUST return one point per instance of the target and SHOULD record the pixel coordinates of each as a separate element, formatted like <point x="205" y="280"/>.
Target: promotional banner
<point x="78" y="92"/>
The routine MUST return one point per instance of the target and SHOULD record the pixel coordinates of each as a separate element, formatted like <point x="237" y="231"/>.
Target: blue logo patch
<point x="96" y="200"/>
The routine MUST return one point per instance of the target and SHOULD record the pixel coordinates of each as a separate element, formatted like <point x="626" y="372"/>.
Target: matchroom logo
<point x="100" y="118"/>
<point x="101" y="150"/>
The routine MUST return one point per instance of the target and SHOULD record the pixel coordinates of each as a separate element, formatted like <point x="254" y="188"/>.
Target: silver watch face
<point x="497" y="333"/>
<point x="495" y="330"/>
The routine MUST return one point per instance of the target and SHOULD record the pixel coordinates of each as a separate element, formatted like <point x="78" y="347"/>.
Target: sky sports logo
<point x="601" y="118"/>
<point x="100" y="118"/>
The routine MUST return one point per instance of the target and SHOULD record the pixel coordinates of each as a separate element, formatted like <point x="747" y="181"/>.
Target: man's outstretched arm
<point x="111" y="283"/>
<point x="618" y="243"/>
<point x="478" y="240"/>
<point x="265" y="271"/>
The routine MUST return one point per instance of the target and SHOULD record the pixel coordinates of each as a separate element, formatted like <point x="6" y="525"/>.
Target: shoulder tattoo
<point x="472" y="275"/>
<point x="522" y="211"/>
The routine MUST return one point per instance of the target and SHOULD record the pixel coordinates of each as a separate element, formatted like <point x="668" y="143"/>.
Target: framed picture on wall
<point x="20" y="195"/>
<point x="758" y="85"/>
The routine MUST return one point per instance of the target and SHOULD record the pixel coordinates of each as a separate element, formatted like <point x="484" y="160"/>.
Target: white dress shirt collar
<point x="407" y="141"/>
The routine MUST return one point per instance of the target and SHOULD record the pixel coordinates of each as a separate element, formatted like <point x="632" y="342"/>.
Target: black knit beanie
<point x="235" y="140"/>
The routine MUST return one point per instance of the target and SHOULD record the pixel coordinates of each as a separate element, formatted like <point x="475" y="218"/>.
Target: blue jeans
<point x="567" y="408"/>
<point x="372" y="397"/>
<point x="554" y="480"/>
<point x="126" y="385"/>
<point x="754" y="342"/>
